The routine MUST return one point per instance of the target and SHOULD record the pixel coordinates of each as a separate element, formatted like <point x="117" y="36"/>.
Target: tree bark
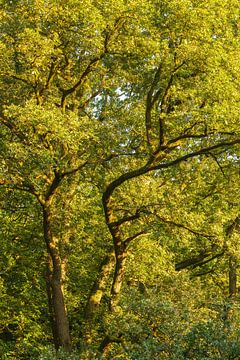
<point x="95" y="297"/>
<point x="50" y="300"/>
<point x="99" y="286"/>
<point x="232" y="272"/>
<point x="232" y="277"/>
<point x="60" y="325"/>
<point x="121" y="257"/>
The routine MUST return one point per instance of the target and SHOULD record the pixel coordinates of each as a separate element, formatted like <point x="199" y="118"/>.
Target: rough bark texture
<point x="95" y="297"/>
<point x="232" y="274"/>
<point x="50" y="300"/>
<point x="121" y="257"/>
<point x="232" y="277"/>
<point x="99" y="286"/>
<point x="60" y="325"/>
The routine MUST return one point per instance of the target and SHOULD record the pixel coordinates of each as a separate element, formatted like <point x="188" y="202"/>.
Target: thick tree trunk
<point x="121" y="257"/>
<point x="50" y="300"/>
<point x="99" y="286"/>
<point x="95" y="297"/>
<point x="60" y="325"/>
<point x="232" y="277"/>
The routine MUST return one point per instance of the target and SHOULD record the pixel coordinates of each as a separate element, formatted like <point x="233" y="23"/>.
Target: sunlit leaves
<point x="75" y="82"/>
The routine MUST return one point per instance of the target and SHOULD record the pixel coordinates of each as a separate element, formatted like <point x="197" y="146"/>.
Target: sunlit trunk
<point x="232" y="277"/>
<point x="119" y="272"/>
<point x="60" y="325"/>
<point x="97" y="292"/>
<point x="99" y="286"/>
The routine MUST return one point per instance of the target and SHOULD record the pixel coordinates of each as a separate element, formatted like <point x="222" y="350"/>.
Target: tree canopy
<point x="119" y="182"/>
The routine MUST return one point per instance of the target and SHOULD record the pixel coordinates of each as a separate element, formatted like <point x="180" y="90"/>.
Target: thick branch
<point x="202" y="151"/>
<point x="54" y="185"/>
<point x="197" y="260"/>
<point x="150" y="167"/>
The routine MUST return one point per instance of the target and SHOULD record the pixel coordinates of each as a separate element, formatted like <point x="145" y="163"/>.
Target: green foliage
<point x="135" y="103"/>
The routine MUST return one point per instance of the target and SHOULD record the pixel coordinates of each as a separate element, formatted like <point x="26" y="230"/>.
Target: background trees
<point x="119" y="166"/>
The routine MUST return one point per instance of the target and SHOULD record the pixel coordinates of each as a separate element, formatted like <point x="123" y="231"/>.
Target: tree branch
<point x="92" y="63"/>
<point x="202" y="151"/>
<point x="150" y="102"/>
<point x="130" y="238"/>
<point x="195" y="232"/>
<point x="197" y="260"/>
<point x="126" y="219"/>
<point x="150" y="167"/>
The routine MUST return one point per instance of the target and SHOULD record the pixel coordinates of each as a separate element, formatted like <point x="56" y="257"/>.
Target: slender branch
<point x="199" y="136"/>
<point x="59" y="177"/>
<point x="90" y="66"/>
<point x="218" y="163"/>
<point x="120" y="180"/>
<point x="50" y="75"/>
<point x="91" y="97"/>
<point x="198" y="260"/>
<point x="130" y="238"/>
<point x="197" y="123"/>
<point x="150" y="101"/>
<point x="202" y="273"/>
<point x="29" y="188"/>
<point x="13" y="129"/>
<point x="153" y="98"/>
<point x="195" y="232"/>
<point x="126" y="219"/>
<point x="21" y="79"/>
<point x="73" y="171"/>
<point x="235" y="224"/>
<point x="92" y="63"/>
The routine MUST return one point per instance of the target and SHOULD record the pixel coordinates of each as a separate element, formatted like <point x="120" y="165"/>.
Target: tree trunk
<point x="50" y="300"/>
<point x="232" y="277"/>
<point x="99" y="286"/>
<point x="60" y="325"/>
<point x="96" y="294"/>
<point x="121" y="257"/>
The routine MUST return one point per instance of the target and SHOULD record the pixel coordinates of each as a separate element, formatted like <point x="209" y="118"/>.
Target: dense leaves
<point x="119" y="160"/>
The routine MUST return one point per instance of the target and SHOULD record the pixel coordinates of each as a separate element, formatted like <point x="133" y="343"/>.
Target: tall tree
<point x="121" y="96"/>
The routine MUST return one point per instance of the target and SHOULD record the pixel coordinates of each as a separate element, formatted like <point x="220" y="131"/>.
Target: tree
<point x="121" y="97"/>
